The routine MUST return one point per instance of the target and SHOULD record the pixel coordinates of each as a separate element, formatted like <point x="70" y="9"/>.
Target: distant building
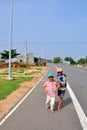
<point x="29" y="58"/>
<point x="66" y="62"/>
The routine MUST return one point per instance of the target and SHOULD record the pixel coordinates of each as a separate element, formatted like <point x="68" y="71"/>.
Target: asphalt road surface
<point x="32" y="115"/>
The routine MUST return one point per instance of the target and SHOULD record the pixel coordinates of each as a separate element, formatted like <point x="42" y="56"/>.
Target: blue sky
<point x="51" y="27"/>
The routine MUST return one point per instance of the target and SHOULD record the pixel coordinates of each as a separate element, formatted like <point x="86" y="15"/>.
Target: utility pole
<point x="26" y="52"/>
<point x="10" y="41"/>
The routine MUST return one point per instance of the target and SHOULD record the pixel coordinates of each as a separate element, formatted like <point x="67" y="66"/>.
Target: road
<point x="32" y="115"/>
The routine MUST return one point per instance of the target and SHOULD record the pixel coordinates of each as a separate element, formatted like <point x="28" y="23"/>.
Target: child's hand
<point x="57" y="85"/>
<point x="46" y="91"/>
<point x="55" y="90"/>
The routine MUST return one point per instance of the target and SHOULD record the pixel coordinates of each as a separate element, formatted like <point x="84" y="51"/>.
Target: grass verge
<point x="8" y="86"/>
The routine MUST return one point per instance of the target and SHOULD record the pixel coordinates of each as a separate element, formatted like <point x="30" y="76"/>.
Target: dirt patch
<point x="13" y="65"/>
<point x="7" y="104"/>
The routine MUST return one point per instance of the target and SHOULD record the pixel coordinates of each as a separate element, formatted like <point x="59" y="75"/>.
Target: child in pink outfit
<point x="50" y="87"/>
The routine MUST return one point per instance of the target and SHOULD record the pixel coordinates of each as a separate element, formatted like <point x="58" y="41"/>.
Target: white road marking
<point x="81" y="115"/>
<point x="7" y="116"/>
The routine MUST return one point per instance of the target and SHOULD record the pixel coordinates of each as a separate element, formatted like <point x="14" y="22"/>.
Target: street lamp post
<point x="10" y="38"/>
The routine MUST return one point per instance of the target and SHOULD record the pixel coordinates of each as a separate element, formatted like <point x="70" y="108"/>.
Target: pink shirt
<point x="50" y="86"/>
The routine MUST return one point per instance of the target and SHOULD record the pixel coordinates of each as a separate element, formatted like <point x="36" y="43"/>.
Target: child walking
<point x="62" y="79"/>
<point x="50" y="87"/>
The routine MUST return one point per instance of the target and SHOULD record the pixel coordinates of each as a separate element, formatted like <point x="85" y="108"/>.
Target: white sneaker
<point x="52" y="111"/>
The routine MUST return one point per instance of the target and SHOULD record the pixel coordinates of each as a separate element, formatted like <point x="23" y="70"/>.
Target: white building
<point x="29" y="58"/>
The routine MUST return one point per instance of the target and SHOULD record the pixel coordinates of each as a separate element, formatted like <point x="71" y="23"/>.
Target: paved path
<point x="31" y="114"/>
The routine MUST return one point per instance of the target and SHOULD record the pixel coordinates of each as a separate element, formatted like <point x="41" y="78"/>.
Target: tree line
<point x="5" y="54"/>
<point x="70" y="60"/>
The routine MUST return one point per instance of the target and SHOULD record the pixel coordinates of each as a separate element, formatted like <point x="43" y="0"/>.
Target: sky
<point x="51" y="28"/>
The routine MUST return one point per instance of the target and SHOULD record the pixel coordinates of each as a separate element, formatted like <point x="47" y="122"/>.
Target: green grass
<point x="21" y="70"/>
<point x="31" y="73"/>
<point x="5" y="72"/>
<point x="39" y="69"/>
<point x="16" y="71"/>
<point x="8" y="86"/>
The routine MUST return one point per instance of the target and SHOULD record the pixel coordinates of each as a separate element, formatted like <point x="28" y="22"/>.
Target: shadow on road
<point x="66" y="102"/>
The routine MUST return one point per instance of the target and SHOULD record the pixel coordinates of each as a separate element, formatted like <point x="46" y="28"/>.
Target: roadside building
<point x="29" y="58"/>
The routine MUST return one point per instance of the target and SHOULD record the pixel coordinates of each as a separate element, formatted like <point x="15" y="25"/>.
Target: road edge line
<point x="81" y="115"/>
<point x="21" y="101"/>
